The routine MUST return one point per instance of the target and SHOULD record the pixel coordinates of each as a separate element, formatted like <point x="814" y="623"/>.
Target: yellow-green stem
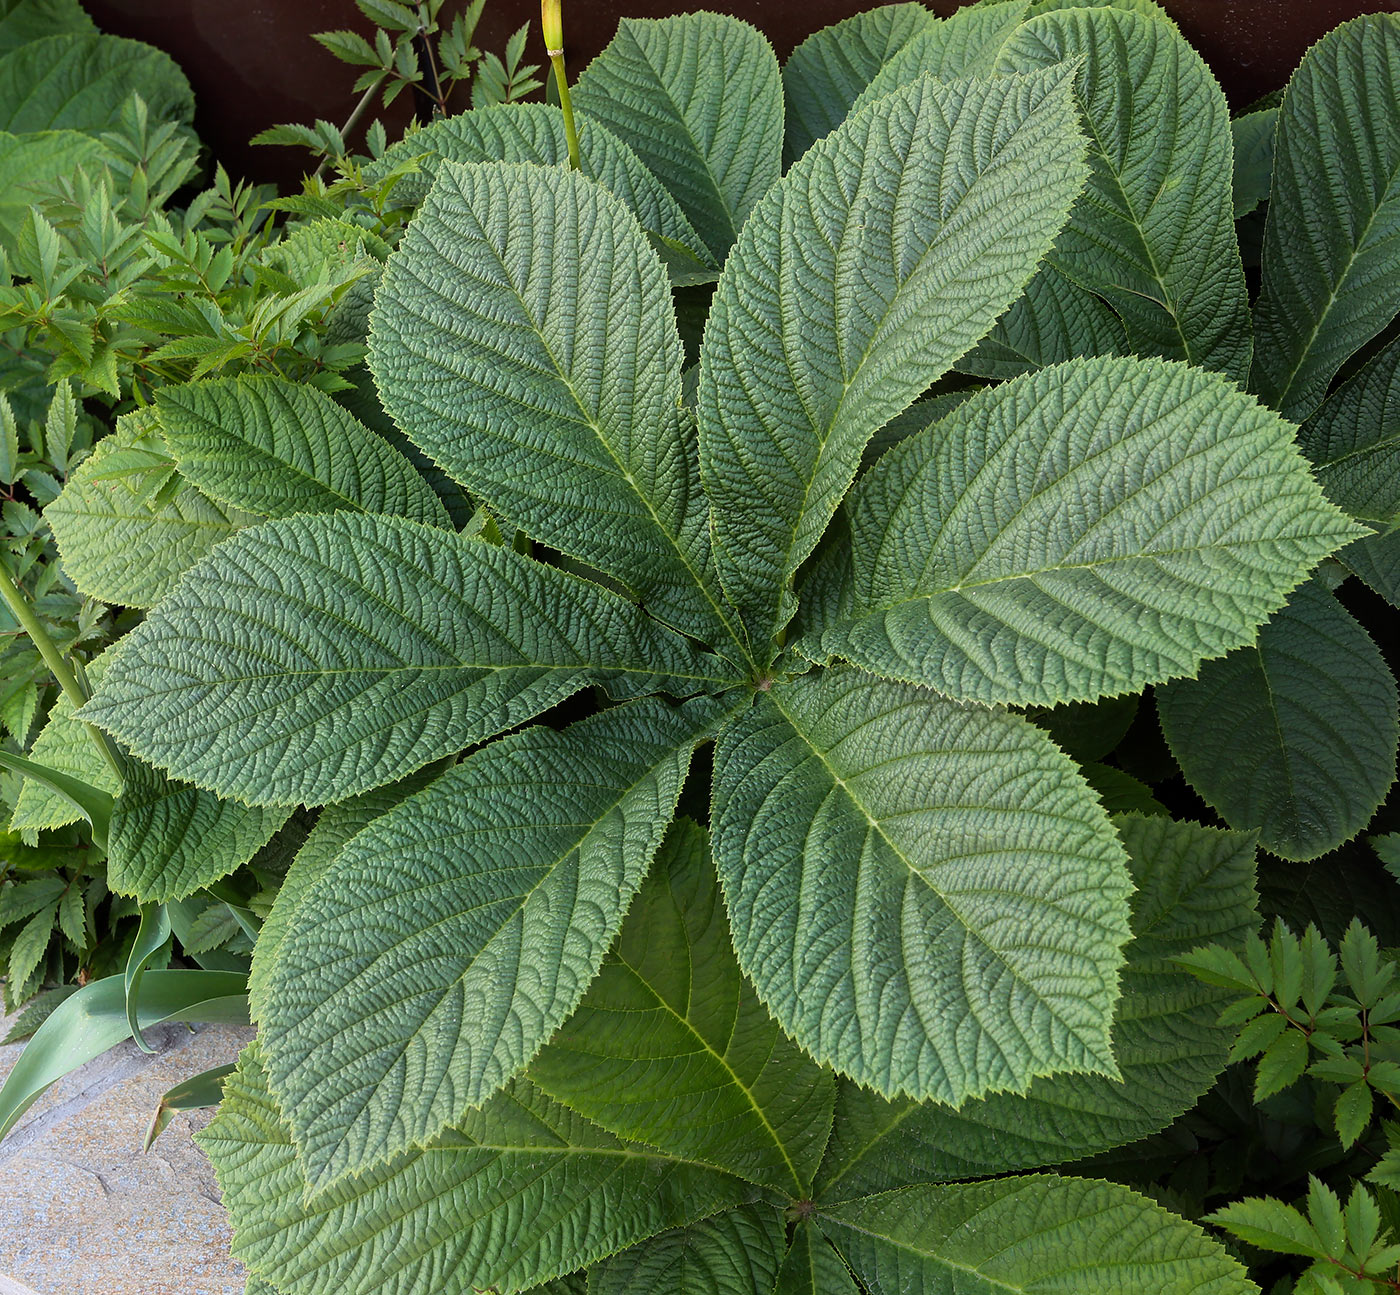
<point x="566" y="104"/>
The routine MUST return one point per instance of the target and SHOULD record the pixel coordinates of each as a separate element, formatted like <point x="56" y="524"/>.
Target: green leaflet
<point x="1154" y="232"/>
<point x="885" y="252"/>
<point x="1353" y="441"/>
<point x="812" y="1267"/>
<point x="1036" y="1234"/>
<point x="79" y="82"/>
<point x="1077" y="532"/>
<point x="926" y="895"/>
<point x="456" y="933"/>
<point x="825" y="74"/>
<point x="698" y="97"/>
<point x="671" y="1047"/>
<point x="1332" y="244"/>
<point x="534" y="133"/>
<point x="379" y="644"/>
<point x="1296" y="735"/>
<point x="1195" y="885"/>
<point x="1254" y="158"/>
<point x="276" y="448"/>
<point x="22" y="21"/>
<point x="734" y="1253"/>
<point x="553" y="395"/>
<point x="121" y="543"/>
<point x="521" y="1191"/>
<point x="31" y="163"/>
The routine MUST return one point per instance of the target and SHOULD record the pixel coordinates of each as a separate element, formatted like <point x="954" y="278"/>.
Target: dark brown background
<point x="253" y="63"/>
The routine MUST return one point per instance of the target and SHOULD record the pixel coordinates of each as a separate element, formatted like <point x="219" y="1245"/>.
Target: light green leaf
<point x="1376" y="560"/>
<point x="551" y="393"/>
<point x="121" y="544"/>
<point x="1254" y="158"/>
<point x="698" y="97"/>
<point x="925" y="894"/>
<point x="456" y="933"/>
<point x="812" y="1267"/>
<point x="1073" y="1236"/>
<point x="1295" y="736"/>
<point x="28" y="949"/>
<point x="671" y="1047"/>
<point x="825" y="74"/>
<point x="1332" y="244"/>
<point x="31" y="163"/>
<point x="1195" y="885"/>
<point x="1154" y="233"/>
<point x="1271" y="1225"/>
<point x="80" y="81"/>
<point x="886" y="251"/>
<point x="315" y="657"/>
<point x="521" y="1191"/>
<point x="276" y="448"/>
<point x="1080" y="531"/>
<point x="734" y="1253"/>
<point x="22" y="21"/>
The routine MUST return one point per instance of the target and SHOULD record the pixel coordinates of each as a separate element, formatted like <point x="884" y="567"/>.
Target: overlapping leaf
<point x="734" y="1253"/>
<point x="1254" y="158"/>
<point x="31" y="163"/>
<point x="812" y="1267"/>
<point x="1376" y="560"/>
<point x="22" y="21"/>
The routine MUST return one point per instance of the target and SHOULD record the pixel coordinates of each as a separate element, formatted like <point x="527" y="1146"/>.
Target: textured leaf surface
<point x="1072" y="1236"/>
<point x="1296" y="735"/>
<point x="276" y="448"/>
<point x="699" y="99"/>
<point x="1154" y="232"/>
<point x="523" y="335"/>
<point x="670" y="1046"/>
<point x="1081" y="531"/>
<point x="926" y="895"/>
<point x="881" y="257"/>
<point x="1376" y="560"/>
<point x="318" y="656"/>
<point x="1195" y="885"/>
<point x="734" y="1253"/>
<point x="1332" y="244"/>
<point x="519" y="1192"/>
<point x="812" y="1267"/>
<point x="30" y="163"/>
<point x="22" y="21"/>
<point x="455" y="934"/>
<point x="1254" y="158"/>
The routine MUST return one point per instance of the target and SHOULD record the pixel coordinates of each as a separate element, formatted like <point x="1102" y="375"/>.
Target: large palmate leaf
<point x="31" y="163"/>
<point x="22" y="21"/>
<point x="1080" y="531"/>
<point x="812" y="1267"/>
<point x="881" y="257"/>
<point x="737" y="1252"/>
<point x="1154" y="233"/>
<point x="1331" y="276"/>
<point x="1019" y="1236"/>
<point x="455" y="934"/>
<point x="925" y="894"/>
<point x="1195" y="885"/>
<point x="276" y="448"/>
<point x="519" y="1192"/>
<point x="318" y="656"/>
<point x="552" y="393"/>
<point x="699" y="99"/>
<point x="671" y="1047"/>
<point x="1296" y="735"/>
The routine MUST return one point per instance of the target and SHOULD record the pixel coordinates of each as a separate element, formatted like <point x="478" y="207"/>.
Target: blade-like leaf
<point x="31" y="162"/>
<point x="881" y="257"/>
<point x="699" y="98"/>
<point x="671" y="1047"/>
<point x="734" y="1253"/>
<point x="520" y="1192"/>
<point x="1332" y="244"/>
<point x="812" y="1267"/>
<point x="455" y="934"/>
<point x="1376" y="560"/>
<point x="1295" y="736"/>
<point x="318" y="656"/>
<point x="1195" y="885"/>
<point x="1080" y="531"/>
<point x="1154" y="233"/>
<point x="926" y="895"/>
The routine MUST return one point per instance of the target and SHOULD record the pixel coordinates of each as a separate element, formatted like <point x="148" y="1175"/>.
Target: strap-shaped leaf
<point x="1018" y="1236"/>
<point x="275" y="448"/>
<point x="453" y="936"/>
<point x="734" y="1253"/>
<point x="926" y="895"/>
<point x="886" y="251"/>
<point x="1154" y="233"/>
<point x="826" y="74"/>
<point x="1080" y="531"/>
<point x="812" y="1267"/>
<point x="1294" y="736"/>
<point x="1195" y="885"/>
<point x="520" y="1192"/>
<point x="1332" y="244"/>
<point x="319" y="656"/>
<point x="699" y="98"/>
<point x="523" y="335"/>
<point x="670" y="1046"/>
